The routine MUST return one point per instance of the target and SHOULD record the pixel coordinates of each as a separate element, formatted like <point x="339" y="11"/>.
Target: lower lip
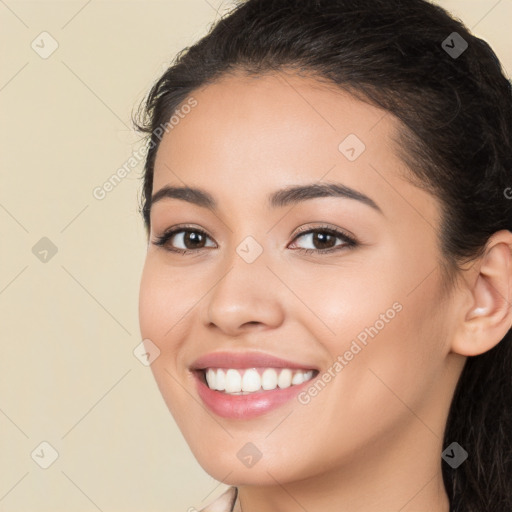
<point x="246" y="406"/>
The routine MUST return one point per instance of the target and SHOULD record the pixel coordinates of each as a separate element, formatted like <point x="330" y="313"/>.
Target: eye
<point x="324" y="238"/>
<point x="191" y="239"/>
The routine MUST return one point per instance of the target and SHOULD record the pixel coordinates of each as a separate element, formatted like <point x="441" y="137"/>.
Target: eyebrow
<point x="278" y="199"/>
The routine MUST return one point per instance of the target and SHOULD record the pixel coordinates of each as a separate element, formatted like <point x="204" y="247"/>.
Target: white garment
<point x="226" y="502"/>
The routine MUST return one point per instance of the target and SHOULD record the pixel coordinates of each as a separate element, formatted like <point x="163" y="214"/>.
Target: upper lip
<point x="243" y="360"/>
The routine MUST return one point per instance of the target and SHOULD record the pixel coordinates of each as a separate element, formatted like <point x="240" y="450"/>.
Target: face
<point x="340" y="290"/>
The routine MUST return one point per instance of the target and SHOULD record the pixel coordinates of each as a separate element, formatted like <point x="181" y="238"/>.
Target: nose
<point x="247" y="296"/>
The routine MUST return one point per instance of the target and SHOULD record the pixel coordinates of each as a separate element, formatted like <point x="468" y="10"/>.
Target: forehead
<point x="262" y="133"/>
<point x="271" y="110"/>
<point x="281" y="115"/>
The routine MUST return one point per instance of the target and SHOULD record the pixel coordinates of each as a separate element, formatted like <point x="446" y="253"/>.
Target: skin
<point x="371" y="439"/>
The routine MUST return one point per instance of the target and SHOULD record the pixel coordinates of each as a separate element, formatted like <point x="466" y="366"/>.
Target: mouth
<point x="250" y="392"/>
<point x="246" y="381"/>
<point x="247" y="384"/>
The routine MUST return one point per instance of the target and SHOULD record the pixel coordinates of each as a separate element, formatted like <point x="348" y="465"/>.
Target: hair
<point x="454" y="115"/>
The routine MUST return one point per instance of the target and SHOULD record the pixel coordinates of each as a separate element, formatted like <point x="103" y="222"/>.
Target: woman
<point x="328" y="278"/>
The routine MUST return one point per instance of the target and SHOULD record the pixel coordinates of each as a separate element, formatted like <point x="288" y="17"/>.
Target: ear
<point x="486" y="311"/>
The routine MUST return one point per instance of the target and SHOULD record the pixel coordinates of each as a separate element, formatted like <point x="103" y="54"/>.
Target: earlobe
<point x="488" y="317"/>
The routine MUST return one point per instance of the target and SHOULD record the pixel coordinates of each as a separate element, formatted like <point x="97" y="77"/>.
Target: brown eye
<point x="193" y="239"/>
<point x="188" y="239"/>
<point x="324" y="240"/>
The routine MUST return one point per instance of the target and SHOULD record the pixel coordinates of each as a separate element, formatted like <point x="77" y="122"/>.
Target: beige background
<point x="68" y="375"/>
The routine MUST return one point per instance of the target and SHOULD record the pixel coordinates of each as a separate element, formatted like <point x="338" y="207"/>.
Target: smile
<point x="254" y="380"/>
<point x="249" y="393"/>
<point x="247" y="384"/>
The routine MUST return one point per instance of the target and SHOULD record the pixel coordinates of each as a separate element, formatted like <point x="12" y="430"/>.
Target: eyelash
<point x="349" y="242"/>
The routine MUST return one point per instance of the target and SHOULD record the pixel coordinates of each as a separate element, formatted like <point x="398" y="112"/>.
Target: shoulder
<point x="224" y="503"/>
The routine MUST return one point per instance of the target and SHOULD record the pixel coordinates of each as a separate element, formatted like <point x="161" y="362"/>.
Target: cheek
<point x="150" y="301"/>
<point x="162" y="301"/>
<point x="158" y="321"/>
<point x="393" y="357"/>
<point x="388" y="332"/>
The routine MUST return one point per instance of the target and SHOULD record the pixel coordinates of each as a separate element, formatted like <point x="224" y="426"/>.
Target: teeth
<point x="269" y="379"/>
<point x="233" y="381"/>
<point x="285" y="378"/>
<point x="241" y="382"/>
<point x="211" y="378"/>
<point x="220" y="380"/>
<point x="251" y="381"/>
<point x="298" y="378"/>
